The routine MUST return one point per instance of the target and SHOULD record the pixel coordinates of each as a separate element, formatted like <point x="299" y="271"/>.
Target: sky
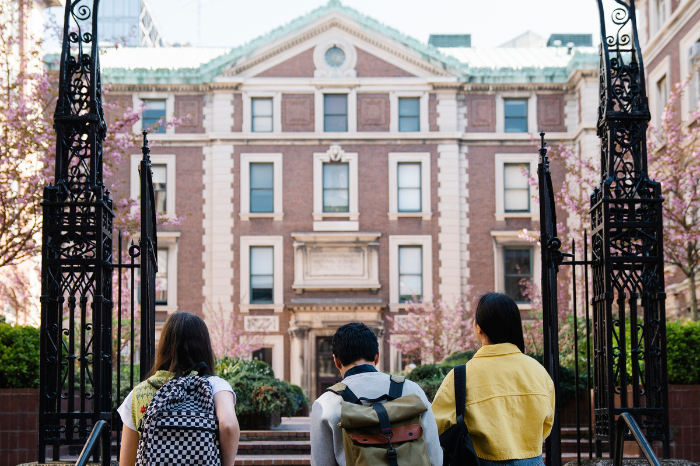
<point x="229" y="23"/>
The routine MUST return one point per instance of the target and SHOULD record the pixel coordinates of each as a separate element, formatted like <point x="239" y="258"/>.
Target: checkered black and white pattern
<point x="180" y="426"/>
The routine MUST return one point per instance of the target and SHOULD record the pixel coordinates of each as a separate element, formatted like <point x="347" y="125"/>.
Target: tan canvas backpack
<point x="388" y="433"/>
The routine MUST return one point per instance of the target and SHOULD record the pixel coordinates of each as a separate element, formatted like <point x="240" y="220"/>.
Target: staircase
<point x="286" y="445"/>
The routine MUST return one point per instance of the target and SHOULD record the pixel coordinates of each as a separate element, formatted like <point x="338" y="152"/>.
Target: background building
<point x="670" y="39"/>
<point x="334" y="168"/>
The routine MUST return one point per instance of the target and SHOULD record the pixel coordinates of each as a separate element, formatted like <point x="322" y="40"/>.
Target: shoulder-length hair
<point x="184" y="343"/>
<point x="499" y="318"/>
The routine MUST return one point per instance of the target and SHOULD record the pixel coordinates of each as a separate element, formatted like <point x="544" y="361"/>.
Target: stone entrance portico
<point x="314" y="318"/>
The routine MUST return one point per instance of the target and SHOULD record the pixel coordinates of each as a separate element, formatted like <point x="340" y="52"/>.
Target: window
<point x="409" y="114"/>
<point x="661" y="12"/>
<point x="264" y="355"/>
<point x="515" y="111"/>
<point x="262" y="115"/>
<point x="261" y="187"/>
<point x="261" y="274"/>
<point x="409" y="187"/>
<point x="517" y="265"/>
<point x="410" y="273"/>
<point x="661" y="97"/>
<point x="516" y="189"/>
<point x="163" y="176"/>
<point x="160" y="187"/>
<point x="153" y="115"/>
<point x="162" y="278"/>
<point x="335" y="112"/>
<point x="336" y="187"/>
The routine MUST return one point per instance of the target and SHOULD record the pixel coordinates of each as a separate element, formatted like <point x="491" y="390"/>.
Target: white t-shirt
<point x="217" y="384"/>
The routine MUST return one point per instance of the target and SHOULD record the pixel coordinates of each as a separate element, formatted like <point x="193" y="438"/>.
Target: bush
<point x="19" y="356"/>
<point x="257" y="390"/>
<point x="459" y="358"/>
<point x="683" y="356"/>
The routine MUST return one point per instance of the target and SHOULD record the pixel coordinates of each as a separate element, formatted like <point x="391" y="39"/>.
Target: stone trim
<point x="277" y="243"/>
<point x="426" y="242"/>
<point x="501" y="160"/>
<point x="169" y="160"/>
<point x="424" y="160"/>
<point x="278" y="192"/>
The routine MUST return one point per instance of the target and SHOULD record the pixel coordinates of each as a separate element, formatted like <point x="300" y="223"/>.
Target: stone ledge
<point x="629" y="462"/>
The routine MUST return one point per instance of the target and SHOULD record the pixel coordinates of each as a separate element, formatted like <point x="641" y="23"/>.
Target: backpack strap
<point x="460" y="376"/>
<point x="387" y="432"/>
<point x="345" y="392"/>
<point x="199" y="368"/>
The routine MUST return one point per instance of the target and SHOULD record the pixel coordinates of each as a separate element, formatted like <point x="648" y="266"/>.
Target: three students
<point x="509" y="397"/>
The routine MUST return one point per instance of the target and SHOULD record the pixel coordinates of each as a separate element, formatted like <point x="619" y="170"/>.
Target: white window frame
<point x="277" y="213"/>
<point x="501" y="160"/>
<point x="248" y="111"/>
<point x="319" y="109"/>
<point x="353" y="215"/>
<point x="531" y="96"/>
<point x="684" y="50"/>
<point x="426" y="241"/>
<point x="169" y="98"/>
<point x="511" y="238"/>
<point x="663" y="69"/>
<point x="169" y="240"/>
<point x="411" y="157"/>
<point x="656" y="24"/>
<point x="276" y="242"/>
<point x="394" y="110"/>
<point x="156" y="159"/>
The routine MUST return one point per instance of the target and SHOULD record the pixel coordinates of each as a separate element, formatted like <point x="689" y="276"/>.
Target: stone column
<point x="299" y="337"/>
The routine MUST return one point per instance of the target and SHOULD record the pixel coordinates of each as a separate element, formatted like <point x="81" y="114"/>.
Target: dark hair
<point x="499" y="318"/>
<point x="354" y="341"/>
<point x="184" y="342"/>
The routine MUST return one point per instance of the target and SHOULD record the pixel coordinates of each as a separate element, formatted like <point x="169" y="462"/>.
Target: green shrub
<point x="19" y="356"/>
<point x="257" y="390"/>
<point x="683" y="352"/>
<point x="459" y="358"/>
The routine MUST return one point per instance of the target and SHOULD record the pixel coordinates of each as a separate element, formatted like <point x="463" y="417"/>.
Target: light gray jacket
<point x="327" y="437"/>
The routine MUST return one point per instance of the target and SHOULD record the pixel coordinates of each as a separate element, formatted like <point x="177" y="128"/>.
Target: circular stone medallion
<point x="335" y="56"/>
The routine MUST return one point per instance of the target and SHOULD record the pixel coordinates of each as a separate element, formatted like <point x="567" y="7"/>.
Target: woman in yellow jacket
<point x="510" y="396"/>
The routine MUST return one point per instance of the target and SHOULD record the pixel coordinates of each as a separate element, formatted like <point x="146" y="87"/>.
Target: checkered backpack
<point x="180" y="425"/>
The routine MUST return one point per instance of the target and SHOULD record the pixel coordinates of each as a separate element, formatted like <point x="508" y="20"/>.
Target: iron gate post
<point x="551" y="259"/>
<point x="627" y="244"/>
<point x="76" y="296"/>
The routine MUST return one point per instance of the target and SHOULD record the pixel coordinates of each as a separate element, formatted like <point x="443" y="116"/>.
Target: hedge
<point x="683" y="343"/>
<point x="19" y="356"/>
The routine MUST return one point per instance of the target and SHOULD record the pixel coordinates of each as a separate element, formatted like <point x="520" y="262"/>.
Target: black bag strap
<point x="387" y="432"/>
<point x="460" y="377"/>
<point x="199" y="368"/>
<point x="395" y="391"/>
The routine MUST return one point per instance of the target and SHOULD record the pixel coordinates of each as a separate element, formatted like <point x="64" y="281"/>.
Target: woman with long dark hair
<point x="510" y="396"/>
<point x="184" y="343"/>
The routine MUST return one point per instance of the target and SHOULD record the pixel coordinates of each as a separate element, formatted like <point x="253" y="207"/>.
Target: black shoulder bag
<point x="457" y="447"/>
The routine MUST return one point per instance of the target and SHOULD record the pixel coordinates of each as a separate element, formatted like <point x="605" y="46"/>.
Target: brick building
<point x="335" y="167"/>
<point x="669" y="33"/>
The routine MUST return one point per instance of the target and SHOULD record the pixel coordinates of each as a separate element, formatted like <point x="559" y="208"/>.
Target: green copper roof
<point x="190" y="65"/>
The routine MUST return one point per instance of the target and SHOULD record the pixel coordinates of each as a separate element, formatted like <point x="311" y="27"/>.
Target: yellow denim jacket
<point x="510" y="403"/>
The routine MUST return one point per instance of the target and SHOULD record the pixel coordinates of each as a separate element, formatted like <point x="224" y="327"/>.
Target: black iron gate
<point x="79" y="352"/>
<point x="626" y="319"/>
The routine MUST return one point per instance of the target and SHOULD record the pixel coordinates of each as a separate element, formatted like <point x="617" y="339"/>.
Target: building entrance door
<point x="327" y="374"/>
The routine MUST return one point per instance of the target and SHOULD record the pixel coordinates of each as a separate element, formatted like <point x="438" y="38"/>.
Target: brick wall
<point x="192" y="106"/>
<point x="19" y="425"/>
<point x="550" y="112"/>
<point x="373" y="199"/>
<point x="370" y="66"/>
<point x="432" y="112"/>
<point x="481" y="113"/>
<point x="373" y="112"/>
<point x="237" y="113"/>
<point x="299" y="66"/>
<point x="297" y="113"/>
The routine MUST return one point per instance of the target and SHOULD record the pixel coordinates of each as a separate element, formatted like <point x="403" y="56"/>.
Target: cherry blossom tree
<point x="434" y="329"/>
<point x="229" y="337"/>
<point x="674" y="161"/>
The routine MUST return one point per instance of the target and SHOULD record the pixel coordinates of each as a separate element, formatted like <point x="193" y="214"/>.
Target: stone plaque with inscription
<point x="336" y="261"/>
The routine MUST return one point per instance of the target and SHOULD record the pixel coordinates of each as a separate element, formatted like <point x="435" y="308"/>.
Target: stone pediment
<point x="336" y="261"/>
<point x="376" y="51"/>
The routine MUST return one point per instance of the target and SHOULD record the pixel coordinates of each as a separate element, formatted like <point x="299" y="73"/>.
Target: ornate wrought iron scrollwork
<point x="76" y="313"/>
<point x="627" y="243"/>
